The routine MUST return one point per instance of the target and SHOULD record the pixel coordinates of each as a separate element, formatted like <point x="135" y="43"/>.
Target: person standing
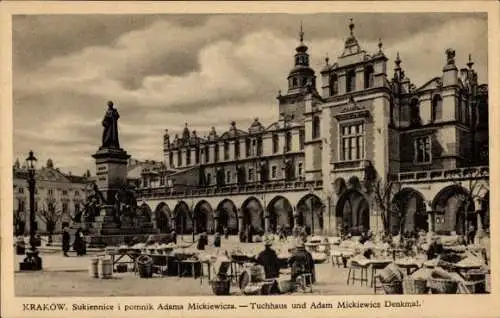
<point x="226" y="232"/>
<point x="202" y="241"/>
<point x="78" y="243"/>
<point x="217" y="240"/>
<point x="65" y="241"/>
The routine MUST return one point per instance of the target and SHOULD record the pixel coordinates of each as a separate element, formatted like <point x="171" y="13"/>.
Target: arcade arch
<point x="409" y="212"/>
<point x="183" y="218"/>
<point x="280" y="214"/>
<point x="309" y="213"/>
<point x="163" y="217"/>
<point x="253" y="214"/>
<point x="353" y="212"/>
<point x="226" y="216"/>
<point x="203" y="217"/>
<point x="450" y="205"/>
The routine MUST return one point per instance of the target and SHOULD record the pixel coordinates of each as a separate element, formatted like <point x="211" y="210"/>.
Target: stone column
<point x="295" y="218"/>
<point x="431" y="221"/>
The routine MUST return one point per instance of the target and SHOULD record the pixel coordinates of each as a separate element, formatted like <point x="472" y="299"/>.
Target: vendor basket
<point x="145" y="266"/>
<point x="221" y="286"/>
<point x="393" y="288"/>
<point x="442" y="286"/>
<point x="415" y="286"/>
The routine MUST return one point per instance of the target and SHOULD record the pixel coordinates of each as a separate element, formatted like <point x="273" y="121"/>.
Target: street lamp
<point x="311" y="192"/>
<point x="32" y="261"/>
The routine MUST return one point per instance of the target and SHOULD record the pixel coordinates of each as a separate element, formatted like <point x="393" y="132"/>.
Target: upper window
<point x="437" y="108"/>
<point x="422" y="147"/>
<point x="302" y="137"/>
<point x="179" y="158"/>
<point x="226" y="150"/>
<point x="350" y="81"/>
<point x="250" y="174"/>
<point x="352" y="141"/>
<point x="288" y="141"/>
<point x="276" y="143"/>
<point x="316" y="127"/>
<point x="259" y="146"/>
<point x="237" y="149"/>
<point x="274" y="172"/>
<point x="300" y="169"/>
<point x="216" y="153"/>
<point x="188" y="157"/>
<point x="228" y="176"/>
<point x="171" y="159"/>
<point x="197" y="156"/>
<point x="207" y="154"/>
<point x="368" y="76"/>
<point x="248" y="148"/>
<point x="415" y="112"/>
<point x="334" y="85"/>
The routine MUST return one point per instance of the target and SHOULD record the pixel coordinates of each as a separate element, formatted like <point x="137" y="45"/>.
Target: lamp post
<point x="311" y="192"/>
<point x="32" y="261"/>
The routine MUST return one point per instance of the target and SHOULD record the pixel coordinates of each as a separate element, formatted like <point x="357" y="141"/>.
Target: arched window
<point x="334" y="85"/>
<point x="216" y="153"/>
<point x="304" y="82"/>
<point x="276" y="143"/>
<point x="316" y="127"/>
<point x="226" y="150"/>
<point x="248" y="147"/>
<point x="368" y="76"/>
<point x="294" y="82"/>
<point x="415" y="112"/>
<point x="207" y="155"/>
<point x="288" y="141"/>
<point x="259" y="146"/>
<point x="171" y="159"/>
<point x="237" y="149"/>
<point x="437" y="108"/>
<point x="179" y="158"/>
<point x="302" y="138"/>
<point x="188" y="157"/>
<point x="208" y="179"/>
<point x="350" y="81"/>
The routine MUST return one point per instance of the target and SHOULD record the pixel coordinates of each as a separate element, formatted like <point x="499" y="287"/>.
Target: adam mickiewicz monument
<point x="111" y="210"/>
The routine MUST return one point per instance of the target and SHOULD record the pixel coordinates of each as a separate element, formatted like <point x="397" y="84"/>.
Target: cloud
<point x="165" y="71"/>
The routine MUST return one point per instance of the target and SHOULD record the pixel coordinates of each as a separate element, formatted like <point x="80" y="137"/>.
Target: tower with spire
<point x="301" y="81"/>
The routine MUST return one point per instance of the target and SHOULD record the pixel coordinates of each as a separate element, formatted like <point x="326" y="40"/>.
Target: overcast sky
<point x="164" y="70"/>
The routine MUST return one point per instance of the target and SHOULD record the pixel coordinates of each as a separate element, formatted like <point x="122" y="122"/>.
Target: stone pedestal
<point x="111" y="171"/>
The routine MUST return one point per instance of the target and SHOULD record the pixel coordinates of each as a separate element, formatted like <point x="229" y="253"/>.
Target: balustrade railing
<point x="172" y="192"/>
<point x="443" y="174"/>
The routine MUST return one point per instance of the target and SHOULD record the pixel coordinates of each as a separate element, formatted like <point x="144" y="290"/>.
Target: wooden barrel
<point x="106" y="268"/>
<point x="94" y="268"/>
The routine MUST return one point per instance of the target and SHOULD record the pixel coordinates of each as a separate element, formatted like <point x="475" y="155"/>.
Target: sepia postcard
<point x="249" y="158"/>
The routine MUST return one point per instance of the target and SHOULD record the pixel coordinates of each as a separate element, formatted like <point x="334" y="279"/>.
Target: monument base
<point x="106" y="231"/>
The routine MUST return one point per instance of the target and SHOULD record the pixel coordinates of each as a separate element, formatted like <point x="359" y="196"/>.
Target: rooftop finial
<point x="470" y="63"/>
<point x="301" y="34"/>
<point x="327" y="59"/>
<point x="398" y="60"/>
<point x="380" y="44"/>
<point x="351" y="26"/>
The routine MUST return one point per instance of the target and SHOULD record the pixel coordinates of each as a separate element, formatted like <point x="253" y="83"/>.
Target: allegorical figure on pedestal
<point x="110" y="124"/>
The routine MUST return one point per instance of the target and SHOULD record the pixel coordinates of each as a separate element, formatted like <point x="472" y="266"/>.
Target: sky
<point x="163" y="71"/>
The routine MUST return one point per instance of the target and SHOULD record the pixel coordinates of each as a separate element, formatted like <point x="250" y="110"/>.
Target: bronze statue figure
<point x="110" y="124"/>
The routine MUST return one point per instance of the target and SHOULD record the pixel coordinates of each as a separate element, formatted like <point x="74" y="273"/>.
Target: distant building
<point x="314" y="159"/>
<point x="58" y="196"/>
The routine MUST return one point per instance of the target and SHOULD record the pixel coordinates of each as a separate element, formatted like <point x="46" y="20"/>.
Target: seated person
<point x="301" y="262"/>
<point x="435" y="248"/>
<point x="269" y="260"/>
